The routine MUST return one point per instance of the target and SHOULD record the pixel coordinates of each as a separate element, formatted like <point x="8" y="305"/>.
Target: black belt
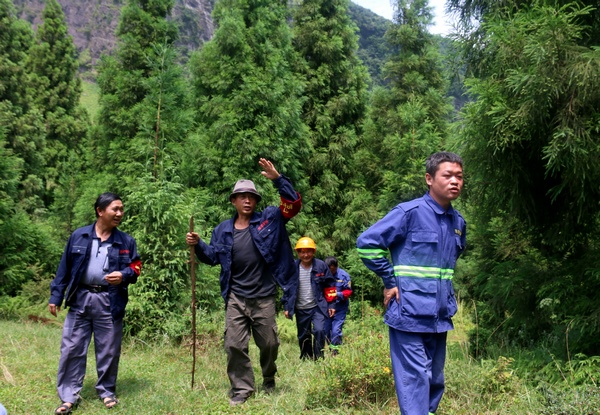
<point x="95" y="288"/>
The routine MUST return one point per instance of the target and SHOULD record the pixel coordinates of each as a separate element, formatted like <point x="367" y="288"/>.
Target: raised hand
<point x="269" y="170"/>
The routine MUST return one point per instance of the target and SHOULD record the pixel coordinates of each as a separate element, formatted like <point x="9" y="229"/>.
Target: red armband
<point x="346" y="293"/>
<point x="330" y="294"/>
<point x="136" y="266"/>
<point x="288" y="208"/>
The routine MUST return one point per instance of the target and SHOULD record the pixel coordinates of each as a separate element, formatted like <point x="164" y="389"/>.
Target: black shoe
<point x="237" y="401"/>
<point x="269" y="387"/>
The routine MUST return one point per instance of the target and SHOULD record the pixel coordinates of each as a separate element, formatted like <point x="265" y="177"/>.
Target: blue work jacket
<point x="423" y="242"/>
<point x="270" y="237"/>
<point x="343" y="287"/>
<point x="320" y="278"/>
<point x="122" y="256"/>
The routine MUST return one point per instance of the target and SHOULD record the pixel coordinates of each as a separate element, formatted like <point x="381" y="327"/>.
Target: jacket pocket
<point x="418" y="296"/>
<point x="392" y="315"/>
<point x="78" y="250"/>
<point x="223" y="252"/>
<point x="423" y="247"/>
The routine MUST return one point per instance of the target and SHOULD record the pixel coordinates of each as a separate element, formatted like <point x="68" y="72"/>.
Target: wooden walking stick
<point x="193" y="277"/>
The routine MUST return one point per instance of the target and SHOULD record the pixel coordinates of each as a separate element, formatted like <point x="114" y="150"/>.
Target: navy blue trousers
<point x="313" y="329"/>
<point x="418" y="365"/>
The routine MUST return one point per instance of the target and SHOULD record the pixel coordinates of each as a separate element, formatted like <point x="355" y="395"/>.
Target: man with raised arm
<point x="255" y="255"/>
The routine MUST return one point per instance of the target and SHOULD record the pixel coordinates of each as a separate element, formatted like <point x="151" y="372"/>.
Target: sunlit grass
<point x="89" y="98"/>
<point x="155" y="378"/>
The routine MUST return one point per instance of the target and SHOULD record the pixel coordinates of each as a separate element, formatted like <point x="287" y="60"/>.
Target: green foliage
<point x="334" y="107"/>
<point x="247" y="97"/>
<point x="408" y="120"/>
<point x="499" y="377"/>
<point x="530" y="141"/>
<point x="56" y="89"/>
<point x="143" y="116"/>
<point x="157" y="220"/>
<point x="360" y="377"/>
<point x="28" y="252"/>
<point x="19" y="118"/>
<point x="534" y="123"/>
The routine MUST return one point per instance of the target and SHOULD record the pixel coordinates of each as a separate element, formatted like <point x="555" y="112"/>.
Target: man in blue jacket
<point x="254" y="251"/>
<point x="313" y="313"/>
<point x="341" y="295"/>
<point x="423" y="238"/>
<point x="96" y="268"/>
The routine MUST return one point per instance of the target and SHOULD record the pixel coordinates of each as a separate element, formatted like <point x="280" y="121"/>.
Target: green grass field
<point x="89" y="98"/>
<point x="155" y="378"/>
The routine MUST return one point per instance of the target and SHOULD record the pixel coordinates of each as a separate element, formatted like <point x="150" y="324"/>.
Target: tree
<point x="247" y="97"/>
<point x="56" y="88"/>
<point x="144" y="120"/>
<point x="408" y="120"/>
<point x="22" y="122"/>
<point x="143" y="116"/>
<point x="335" y="104"/>
<point x="531" y="143"/>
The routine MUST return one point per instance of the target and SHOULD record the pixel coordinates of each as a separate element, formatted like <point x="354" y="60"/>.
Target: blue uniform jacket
<point x="271" y="239"/>
<point x="423" y="242"/>
<point x="320" y="278"/>
<point x="343" y="288"/>
<point x="122" y="256"/>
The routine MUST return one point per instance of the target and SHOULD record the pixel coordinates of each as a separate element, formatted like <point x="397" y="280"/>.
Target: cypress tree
<point x="531" y="139"/>
<point x="247" y="97"/>
<point x="142" y="119"/>
<point x="19" y="117"/>
<point x="409" y="119"/>
<point x="56" y="88"/>
<point x="334" y="106"/>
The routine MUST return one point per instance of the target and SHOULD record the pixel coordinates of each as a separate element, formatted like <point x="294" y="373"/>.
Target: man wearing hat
<point x="254" y="251"/>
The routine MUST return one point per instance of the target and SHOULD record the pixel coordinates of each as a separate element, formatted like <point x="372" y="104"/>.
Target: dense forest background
<point x="345" y="104"/>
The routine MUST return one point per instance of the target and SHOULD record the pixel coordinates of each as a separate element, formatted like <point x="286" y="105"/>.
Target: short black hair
<point x="331" y="260"/>
<point x="433" y="162"/>
<point x="104" y="200"/>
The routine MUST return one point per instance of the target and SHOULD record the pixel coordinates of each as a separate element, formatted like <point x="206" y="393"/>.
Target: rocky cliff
<point x="93" y="23"/>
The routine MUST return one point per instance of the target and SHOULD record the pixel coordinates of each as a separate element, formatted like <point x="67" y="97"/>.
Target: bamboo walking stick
<point x="193" y="277"/>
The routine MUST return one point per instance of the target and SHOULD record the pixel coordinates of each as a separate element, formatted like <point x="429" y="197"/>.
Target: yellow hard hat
<point x="306" y="243"/>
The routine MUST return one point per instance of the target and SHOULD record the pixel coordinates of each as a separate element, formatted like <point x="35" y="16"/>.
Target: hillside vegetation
<point x="171" y="129"/>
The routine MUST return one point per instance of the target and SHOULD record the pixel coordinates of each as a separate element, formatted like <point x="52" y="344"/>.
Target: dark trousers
<point x="313" y="329"/>
<point x="245" y="316"/>
<point x="337" y="324"/>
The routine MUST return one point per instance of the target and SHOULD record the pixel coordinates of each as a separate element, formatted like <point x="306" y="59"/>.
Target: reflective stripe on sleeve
<point x="371" y="253"/>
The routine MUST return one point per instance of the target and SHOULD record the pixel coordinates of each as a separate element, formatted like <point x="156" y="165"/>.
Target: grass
<point x="89" y="98"/>
<point x="155" y="378"/>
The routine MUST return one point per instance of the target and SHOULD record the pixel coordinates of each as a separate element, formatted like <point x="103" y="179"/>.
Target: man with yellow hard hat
<point x="313" y="312"/>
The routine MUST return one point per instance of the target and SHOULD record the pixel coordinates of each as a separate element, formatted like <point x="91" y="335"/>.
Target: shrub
<point x="361" y="375"/>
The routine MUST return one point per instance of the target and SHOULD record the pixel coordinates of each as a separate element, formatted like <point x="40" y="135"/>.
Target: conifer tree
<point x="143" y="116"/>
<point x="143" y="120"/>
<point x="334" y="106"/>
<point x="56" y="88"/>
<point x="408" y="120"/>
<point x="21" y="121"/>
<point x="247" y="97"/>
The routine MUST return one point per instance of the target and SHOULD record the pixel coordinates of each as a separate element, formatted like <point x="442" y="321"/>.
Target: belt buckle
<point x="95" y="288"/>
